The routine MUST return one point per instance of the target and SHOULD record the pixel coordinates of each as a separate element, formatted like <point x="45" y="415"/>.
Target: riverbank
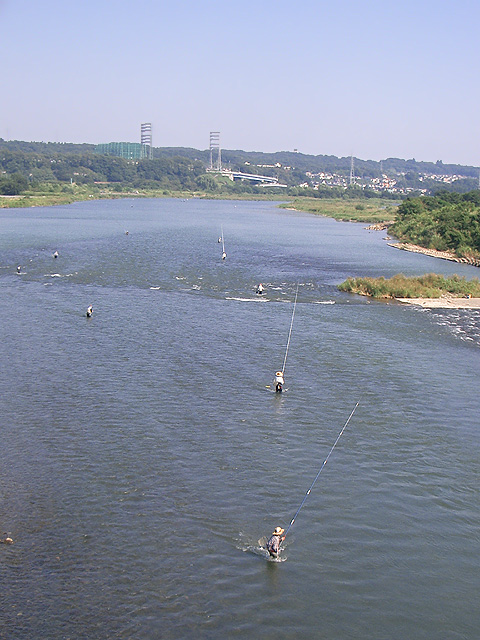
<point x="445" y="291"/>
<point x="81" y="193"/>
<point x="444" y="255"/>
<point x="378" y="211"/>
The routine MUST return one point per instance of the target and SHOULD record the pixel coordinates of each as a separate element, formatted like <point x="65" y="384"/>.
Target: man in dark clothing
<point x="273" y="545"/>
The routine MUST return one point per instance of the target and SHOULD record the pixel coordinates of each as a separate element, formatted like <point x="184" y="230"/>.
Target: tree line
<point x="445" y="222"/>
<point x="184" y="168"/>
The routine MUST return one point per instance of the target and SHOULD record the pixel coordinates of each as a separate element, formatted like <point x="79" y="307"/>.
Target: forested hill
<point x="445" y="222"/>
<point x="300" y="161"/>
<point x="185" y="168"/>
<point x="45" y="148"/>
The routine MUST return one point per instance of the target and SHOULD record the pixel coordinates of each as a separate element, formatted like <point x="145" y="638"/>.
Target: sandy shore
<point x="445" y="302"/>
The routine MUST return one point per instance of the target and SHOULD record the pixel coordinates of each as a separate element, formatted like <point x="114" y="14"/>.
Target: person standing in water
<point x="273" y="544"/>
<point x="89" y="311"/>
<point x="279" y="381"/>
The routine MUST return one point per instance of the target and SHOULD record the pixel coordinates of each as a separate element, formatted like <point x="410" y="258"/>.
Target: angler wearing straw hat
<point x="279" y="381"/>
<point x="273" y="544"/>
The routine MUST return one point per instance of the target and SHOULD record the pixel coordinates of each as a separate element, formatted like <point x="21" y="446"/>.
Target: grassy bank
<point x="51" y="195"/>
<point x="367" y="211"/>
<point x="430" y="285"/>
<point x="372" y="211"/>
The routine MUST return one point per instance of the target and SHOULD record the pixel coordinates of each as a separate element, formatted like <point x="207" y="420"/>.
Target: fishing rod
<point x="321" y="468"/>
<point x="290" y="332"/>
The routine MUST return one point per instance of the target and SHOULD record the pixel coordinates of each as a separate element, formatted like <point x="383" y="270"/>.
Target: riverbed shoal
<point x="444" y="302"/>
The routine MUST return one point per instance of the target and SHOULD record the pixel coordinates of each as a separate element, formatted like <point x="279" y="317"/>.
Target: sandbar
<point x="445" y="302"/>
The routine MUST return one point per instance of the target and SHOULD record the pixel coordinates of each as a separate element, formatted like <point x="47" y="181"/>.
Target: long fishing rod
<point x="321" y="468"/>
<point x="290" y="332"/>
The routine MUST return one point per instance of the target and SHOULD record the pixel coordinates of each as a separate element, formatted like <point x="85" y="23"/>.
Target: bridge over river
<point x="264" y="181"/>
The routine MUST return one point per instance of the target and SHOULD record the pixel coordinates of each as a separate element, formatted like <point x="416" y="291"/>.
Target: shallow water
<point x="144" y="454"/>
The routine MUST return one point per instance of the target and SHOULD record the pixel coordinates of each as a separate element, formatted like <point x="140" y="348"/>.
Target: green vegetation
<point x="56" y="193"/>
<point x="445" y="222"/>
<point x="56" y="174"/>
<point x="430" y="285"/>
<point x="236" y="159"/>
<point x="33" y="173"/>
<point x="90" y="168"/>
<point x="12" y="185"/>
<point x="347" y="210"/>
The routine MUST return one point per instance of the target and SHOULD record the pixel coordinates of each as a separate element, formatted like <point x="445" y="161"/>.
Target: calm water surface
<point x="144" y="455"/>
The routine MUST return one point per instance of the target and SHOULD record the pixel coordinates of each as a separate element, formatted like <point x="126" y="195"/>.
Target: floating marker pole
<point x="321" y="468"/>
<point x="290" y="332"/>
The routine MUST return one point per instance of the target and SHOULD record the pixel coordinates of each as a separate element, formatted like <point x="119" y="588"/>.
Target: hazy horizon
<point x="374" y="81"/>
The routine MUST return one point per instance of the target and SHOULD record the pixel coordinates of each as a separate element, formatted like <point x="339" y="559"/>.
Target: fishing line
<point x="290" y="332"/>
<point x="321" y="468"/>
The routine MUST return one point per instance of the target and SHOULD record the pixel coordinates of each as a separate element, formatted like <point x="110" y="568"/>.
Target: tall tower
<point x="352" y="174"/>
<point x="146" y="140"/>
<point x="215" y="145"/>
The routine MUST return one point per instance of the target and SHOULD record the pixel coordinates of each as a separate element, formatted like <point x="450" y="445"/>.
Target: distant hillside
<point x="305" y="162"/>
<point x="46" y="148"/>
<point x="320" y="163"/>
<point x="320" y="176"/>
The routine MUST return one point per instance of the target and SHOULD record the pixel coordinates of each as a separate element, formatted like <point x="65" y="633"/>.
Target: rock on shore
<point x="445" y="255"/>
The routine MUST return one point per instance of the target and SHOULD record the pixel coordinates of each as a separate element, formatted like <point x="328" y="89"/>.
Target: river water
<point x="144" y="454"/>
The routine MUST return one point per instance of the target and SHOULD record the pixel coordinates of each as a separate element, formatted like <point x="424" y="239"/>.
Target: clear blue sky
<point x="371" y="78"/>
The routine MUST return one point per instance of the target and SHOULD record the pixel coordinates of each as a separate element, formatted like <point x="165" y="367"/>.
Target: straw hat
<point x="278" y="531"/>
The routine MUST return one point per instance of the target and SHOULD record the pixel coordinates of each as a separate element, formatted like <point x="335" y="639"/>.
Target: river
<point x="144" y="453"/>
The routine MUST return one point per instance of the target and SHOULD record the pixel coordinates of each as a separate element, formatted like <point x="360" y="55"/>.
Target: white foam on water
<point x="259" y="299"/>
<point x="259" y="549"/>
<point x="59" y="275"/>
<point x="464" y="325"/>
